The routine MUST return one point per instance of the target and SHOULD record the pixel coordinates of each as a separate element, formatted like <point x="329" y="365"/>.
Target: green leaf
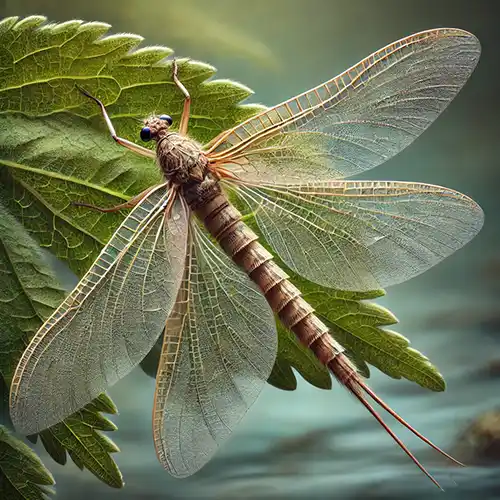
<point x="28" y="291"/>
<point x="22" y="474"/>
<point x="54" y="147"/>
<point x="28" y="294"/>
<point x="360" y="363"/>
<point x="357" y="326"/>
<point x="79" y="436"/>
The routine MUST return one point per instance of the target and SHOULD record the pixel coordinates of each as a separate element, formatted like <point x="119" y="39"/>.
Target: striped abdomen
<point x="224" y="223"/>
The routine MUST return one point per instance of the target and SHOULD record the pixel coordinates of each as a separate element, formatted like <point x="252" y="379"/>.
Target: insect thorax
<point x="181" y="159"/>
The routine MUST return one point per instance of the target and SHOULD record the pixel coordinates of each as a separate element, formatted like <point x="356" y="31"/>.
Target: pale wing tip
<point x="23" y="426"/>
<point x="177" y="466"/>
<point x="476" y="221"/>
<point x="448" y="32"/>
<point x="474" y="225"/>
<point x="28" y="416"/>
<point x="21" y="420"/>
<point x="25" y="422"/>
<point x="179" y="472"/>
<point x="470" y="38"/>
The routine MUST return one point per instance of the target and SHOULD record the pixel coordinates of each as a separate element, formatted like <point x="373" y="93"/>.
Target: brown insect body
<point x="179" y="158"/>
<point x="183" y="162"/>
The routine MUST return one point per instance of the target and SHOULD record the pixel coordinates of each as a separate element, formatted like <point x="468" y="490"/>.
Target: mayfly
<point x="162" y="271"/>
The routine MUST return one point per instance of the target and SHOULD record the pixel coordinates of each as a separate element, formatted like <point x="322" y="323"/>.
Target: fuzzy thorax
<point x="181" y="159"/>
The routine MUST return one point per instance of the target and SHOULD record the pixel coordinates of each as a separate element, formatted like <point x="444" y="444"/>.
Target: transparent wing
<point x="219" y="349"/>
<point x="357" y="120"/>
<point x="362" y="235"/>
<point x="109" y="322"/>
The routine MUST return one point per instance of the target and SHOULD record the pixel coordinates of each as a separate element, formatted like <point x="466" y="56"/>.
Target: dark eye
<point x="167" y="118"/>
<point x="146" y="134"/>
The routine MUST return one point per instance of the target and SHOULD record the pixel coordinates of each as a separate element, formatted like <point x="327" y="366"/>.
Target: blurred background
<point x="321" y="444"/>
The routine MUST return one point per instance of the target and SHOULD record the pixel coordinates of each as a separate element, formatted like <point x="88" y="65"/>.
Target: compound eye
<point x="146" y="134"/>
<point x="167" y="118"/>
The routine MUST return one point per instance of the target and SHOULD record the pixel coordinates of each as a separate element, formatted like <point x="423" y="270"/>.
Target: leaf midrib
<point x="67" y="178"/>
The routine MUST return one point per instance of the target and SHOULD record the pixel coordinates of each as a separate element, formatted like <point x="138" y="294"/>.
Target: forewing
<point x="357" y="120"/>
<point x="109" y="322"/>
<point x="362" y="235"/>
<point x="219" y="349"/>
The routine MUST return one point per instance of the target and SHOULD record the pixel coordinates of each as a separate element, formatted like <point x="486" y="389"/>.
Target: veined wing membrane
<point x="109" y="322"/>
<point x="219" y="349"/>
<point x="357" y="120"/>
<point x="362" y="235"/>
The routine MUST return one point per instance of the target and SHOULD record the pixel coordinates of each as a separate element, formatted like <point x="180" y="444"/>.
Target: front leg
<point x="183" y="126"/>
<point x="123" y="142"/>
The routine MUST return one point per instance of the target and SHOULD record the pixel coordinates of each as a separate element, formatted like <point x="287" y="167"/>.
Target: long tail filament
<point x="346" y="374"/>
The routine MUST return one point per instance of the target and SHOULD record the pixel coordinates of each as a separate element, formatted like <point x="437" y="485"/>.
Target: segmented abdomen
<point x="224" y="223"/>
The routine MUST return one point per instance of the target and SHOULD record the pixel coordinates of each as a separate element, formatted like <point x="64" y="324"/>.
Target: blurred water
<point x="322" y="444"/>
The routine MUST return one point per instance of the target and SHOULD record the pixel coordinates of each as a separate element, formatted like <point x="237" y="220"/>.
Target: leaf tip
<point x="29" y="22"/>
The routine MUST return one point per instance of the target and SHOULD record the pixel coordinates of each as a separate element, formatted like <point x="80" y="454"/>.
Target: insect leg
<point x="128" y="204"/>
<point x="123" y="142"/>
<point x="183" y="126"/>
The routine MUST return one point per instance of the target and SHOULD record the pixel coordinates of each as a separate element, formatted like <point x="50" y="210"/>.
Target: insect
<point x="217" y="302"/>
